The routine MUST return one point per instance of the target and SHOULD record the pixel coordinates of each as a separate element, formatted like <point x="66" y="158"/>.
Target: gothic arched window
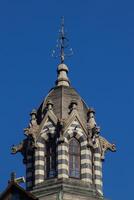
<point x="50" y="159"/>
<point x="74" y="158"/>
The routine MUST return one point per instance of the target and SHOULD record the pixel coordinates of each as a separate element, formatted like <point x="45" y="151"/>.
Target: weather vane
<point x="62" y="49"/>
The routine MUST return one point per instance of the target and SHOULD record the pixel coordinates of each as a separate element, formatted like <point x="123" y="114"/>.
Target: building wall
<point x="90" y="162"/>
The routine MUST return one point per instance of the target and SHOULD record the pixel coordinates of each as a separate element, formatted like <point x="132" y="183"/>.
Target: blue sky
<point x="101" y="34"/>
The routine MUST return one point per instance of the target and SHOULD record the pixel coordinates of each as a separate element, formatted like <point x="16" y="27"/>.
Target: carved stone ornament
<point x="32" y="130"/>
<point x="105" y="145"/>
<point x="26" y="146"/>
<point x="61" y="130"/>
<point x="17" y="148"/>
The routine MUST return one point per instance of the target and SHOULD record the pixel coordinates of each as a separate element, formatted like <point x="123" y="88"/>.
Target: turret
<point x="63" y="150"/>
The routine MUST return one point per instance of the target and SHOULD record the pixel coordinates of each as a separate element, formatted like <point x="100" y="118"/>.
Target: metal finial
<point x="62" y="44"/>
<point x="62" y="40"/>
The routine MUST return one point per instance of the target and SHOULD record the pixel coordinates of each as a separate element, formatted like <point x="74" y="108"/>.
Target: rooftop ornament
<point x="62" y="44"/>
<point x="62" y="50"/>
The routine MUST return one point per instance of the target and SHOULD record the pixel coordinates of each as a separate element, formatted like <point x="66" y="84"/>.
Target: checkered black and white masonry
<point x="63" y="141"/>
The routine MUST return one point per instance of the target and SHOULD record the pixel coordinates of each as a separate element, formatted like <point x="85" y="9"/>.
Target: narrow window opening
<point x="51" y="159"/>
<point x="74" y="158"/>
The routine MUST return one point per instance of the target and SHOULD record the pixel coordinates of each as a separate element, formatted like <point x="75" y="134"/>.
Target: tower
<point x="63" y="150"/>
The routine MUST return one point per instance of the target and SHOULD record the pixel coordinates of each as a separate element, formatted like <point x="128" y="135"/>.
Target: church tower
<point x="63" y="150"/>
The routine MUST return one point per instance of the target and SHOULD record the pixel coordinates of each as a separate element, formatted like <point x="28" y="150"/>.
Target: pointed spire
<point x="62" y="44"/>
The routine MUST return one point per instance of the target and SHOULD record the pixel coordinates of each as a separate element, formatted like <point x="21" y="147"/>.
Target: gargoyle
<point x="17" y="148"/>
<point x="20" y="148"/>
<point x="105" y="145"/>
<point x="28" y="145"/>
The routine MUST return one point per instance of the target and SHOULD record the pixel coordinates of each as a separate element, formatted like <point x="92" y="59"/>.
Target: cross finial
<point x="62" y="44"/>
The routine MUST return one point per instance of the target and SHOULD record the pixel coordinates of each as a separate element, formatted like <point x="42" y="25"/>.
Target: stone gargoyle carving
<point x="29" y="143"/>
<point x="24" y="147"/>
<point x="17" y="148"/>
<point x="104" y="146"/>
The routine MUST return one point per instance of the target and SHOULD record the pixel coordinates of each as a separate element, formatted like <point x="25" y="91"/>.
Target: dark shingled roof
<point x="12" y="189"/>
<point x="61" y="97"/>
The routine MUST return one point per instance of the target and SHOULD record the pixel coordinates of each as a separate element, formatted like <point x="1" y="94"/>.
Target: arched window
<point x="51" y="158"/>
<point x="74" y="158"/>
